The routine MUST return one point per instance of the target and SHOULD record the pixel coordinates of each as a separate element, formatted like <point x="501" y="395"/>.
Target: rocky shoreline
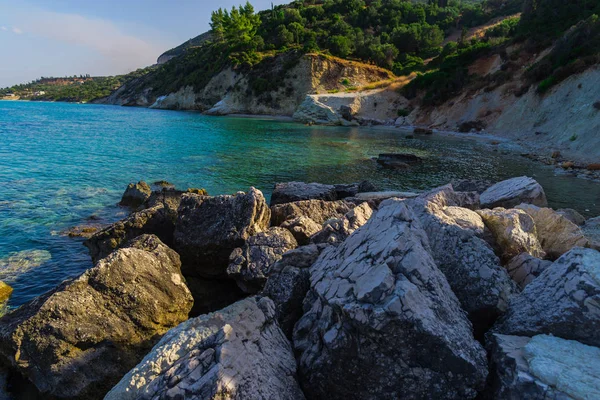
<point x="470" y="290"/>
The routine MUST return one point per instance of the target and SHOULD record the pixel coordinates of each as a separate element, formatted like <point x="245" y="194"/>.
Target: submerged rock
<point x="543" y="367"/>
<point x="208" y="229"/>
<point x="512" y="192"/>
<point x="398" y="160"/>
<point x="514" y="232"/>
<point x="20" y="262"/>
<point x="5" y="292"/>
<point x="249" y="265"/>
<point x="557" y="235"/>
<point x="524" y="268"/>
<point x="155" y="220"/>
<point x="297" y="191"/>
<point x="563" y="301"/>
<point x="81" y="338"/>
<point x="317" y="210"/>
<point x="136" y="194"/>
<point x="376" y="308"/>
<point x="236" y="353"/>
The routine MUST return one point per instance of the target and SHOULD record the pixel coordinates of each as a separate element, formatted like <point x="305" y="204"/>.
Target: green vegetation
<point x="71" y="89"/>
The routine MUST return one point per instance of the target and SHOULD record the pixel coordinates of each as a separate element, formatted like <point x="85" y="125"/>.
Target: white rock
<point x="513" y="192"/>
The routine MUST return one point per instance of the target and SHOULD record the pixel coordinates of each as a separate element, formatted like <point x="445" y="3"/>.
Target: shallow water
<point x="61" y="163"/>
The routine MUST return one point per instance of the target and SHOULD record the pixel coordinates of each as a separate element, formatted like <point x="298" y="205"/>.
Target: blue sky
<point x="96" y="37"/>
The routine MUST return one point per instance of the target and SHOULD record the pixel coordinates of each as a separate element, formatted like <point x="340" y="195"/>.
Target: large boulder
<point x="542" y="368"/>
<point x="156" y="220"/>
<point x="524" y="268"/>
<point x="377" y="308"/>
<point x="317" y="210"/>
<point x="563" y="301"/>
<point x="572" y="215"/>
<point x="592" y="232"/>
<point x="297" y="191"/>
<point x="514" y="232"/>
<point x="249" y="265"/>
<point x="302" y="228"/>
<point x="474" y="272"/>
<point x="136" y="194"/>
<point x="169" y="198"/>
<point x="512" y="192"/>
<point x="556" y="233"/>
<point x="208" y="229"/>
<point x="236" y="353"/>
<point x="81" y="338"/>
<point x="337" y="230"/>
<point x="5" y="292"/>
<point x="288" y="283"/>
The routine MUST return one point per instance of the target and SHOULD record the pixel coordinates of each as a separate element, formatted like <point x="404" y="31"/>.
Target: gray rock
<point x="337" y="230"/>
<point x="542" y="368"/>
<point x="557" y="235"/>
<point x="512" y="192"/>
<point x="563" y="301"/>
<point x="236" y="353"/>
<point x="572" y="215"/>
<point x="156" y="220"/>
<point x="136" y="194"/>
<point x="81" y="338"/>
<point x="473" y="271"/>
<point x="302" y="228"/>
<point x="288" y="283"/>
<point x="376" y="308"/>
<point x="317" y="210"/>
<point x="514" y="232"/>
<point x="398" y="160"/>
<point x="208" y="229"/>
<point x="169" y="198"/>
<point x="297" y="191"/>
<point x="524" y="268"/>
<point x="249" y="265"/>
<point x="592" y="232"/>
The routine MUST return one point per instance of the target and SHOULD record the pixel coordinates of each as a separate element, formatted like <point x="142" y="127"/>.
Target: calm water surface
<point x="61" y="163"/>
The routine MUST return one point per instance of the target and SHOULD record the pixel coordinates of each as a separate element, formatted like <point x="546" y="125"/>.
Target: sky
<point x="97" y="37"/>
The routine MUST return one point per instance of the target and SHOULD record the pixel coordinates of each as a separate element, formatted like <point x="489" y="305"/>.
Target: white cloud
<point x="17" y="31"/>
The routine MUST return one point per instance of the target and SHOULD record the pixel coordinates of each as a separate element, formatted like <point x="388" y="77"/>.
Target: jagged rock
<point x="542" y="368"/>
<point x="471" y="185"/>
<point x="376" y="307"/>
<point x="343" y="191"/>
<point x="302" y="228"/>
<point x="556" y="234"/>
<point x="317" y="210"/>
<point x="5" y="292"/>
<point x="297" y="191"/>
<point x="337" y="230"/>
<point x="514" y="232"/>
<point x="592" y="231"/>
<point x="524" y="268"/>
<point x="212" y="294"/>
<point x="170" y="199"/>
<point x="512" y="192"/>
<point x="236" y="353"/>
<point x="136" y="194"/>
<point x="249" y="265"/>
<point x="81" y="338"/>
<point x="208" y="229"/>
<point x="572" y="216"/>
<point x="563" y="301"/>
<point x="473" y="271"/>
<point x="288" y="283"/>
<point x="155" y="220"/>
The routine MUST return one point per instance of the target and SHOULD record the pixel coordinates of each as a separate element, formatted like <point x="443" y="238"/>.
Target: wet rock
<point x="398" y="160"/>
<point x="514" y="232"/>
<point x="155" y="220"/>
<point x="471" y="185"/>
<point x="81" y="338"/>
<point x="524" y="268"/>
<point x="160" y="185"/>
<point x="572" y="216"/>
<point x="5" y="292"/>
<point x="208" y="229"/>
<point x="212" y="294"/>
<point x="376" y="307"/>
<point x="557" y="235"/>
<point x="335" y="231"/>
<point x="136" y="194"/>
<point x="343" y="191"/>
<point x="473" y="271"/>
<point x="236" y="353"/>
<point x="563" y="301"/>
<point x="201" y="192"/>
<point x="317" y="210"/>
<point x="297" y="191"/>
<point x="288" y="283"/>
<point x="169" y="199"/>
<point x="82" y="231"/>
<point x="302" y="228"/>
<point x="512" y="192"/>
<point x="543" y="367"/>
<point x="249" y="265"/>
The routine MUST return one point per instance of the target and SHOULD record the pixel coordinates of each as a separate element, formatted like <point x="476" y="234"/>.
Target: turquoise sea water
<point x="61" y="163"/>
